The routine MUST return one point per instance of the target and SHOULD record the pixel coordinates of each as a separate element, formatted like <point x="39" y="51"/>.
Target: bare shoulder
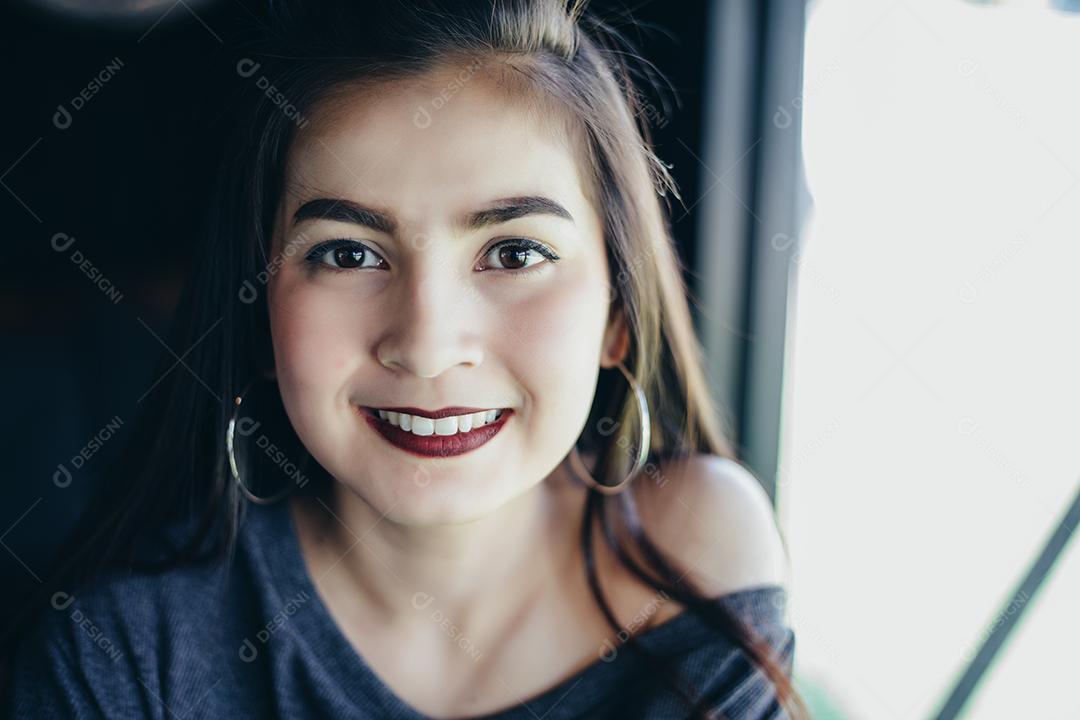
<point x="713" y="516"/>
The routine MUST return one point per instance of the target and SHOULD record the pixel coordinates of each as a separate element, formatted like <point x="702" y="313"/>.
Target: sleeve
<point x="74" y="662"/>
<point x="715" y="673"/>
<point x="747" y="692"/>
<point x="45" y="682"/>
<point x="738" y="688"/>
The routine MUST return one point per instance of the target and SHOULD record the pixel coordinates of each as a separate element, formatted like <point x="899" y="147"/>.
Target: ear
<point x="616" y="340"/>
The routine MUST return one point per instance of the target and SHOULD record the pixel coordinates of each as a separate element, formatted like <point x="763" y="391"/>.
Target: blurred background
<point x="880" y="219"/>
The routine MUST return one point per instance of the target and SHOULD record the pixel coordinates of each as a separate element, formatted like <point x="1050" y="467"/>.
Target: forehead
<point x="436" y="145"/>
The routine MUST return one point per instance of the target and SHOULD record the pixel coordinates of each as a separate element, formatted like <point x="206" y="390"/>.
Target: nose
<point x="432" y="323"/>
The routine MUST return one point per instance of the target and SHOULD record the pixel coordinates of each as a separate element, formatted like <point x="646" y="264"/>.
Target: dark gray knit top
<point x="252" y="639"/>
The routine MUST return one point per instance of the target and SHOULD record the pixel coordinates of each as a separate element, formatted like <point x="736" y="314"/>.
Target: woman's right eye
<point x="341" y="255"/>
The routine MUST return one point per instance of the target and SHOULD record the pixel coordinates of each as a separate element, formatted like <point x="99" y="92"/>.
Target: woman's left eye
<point x="513" y="255"/>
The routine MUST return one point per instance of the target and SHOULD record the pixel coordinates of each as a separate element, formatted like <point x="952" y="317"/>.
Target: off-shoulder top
<point x="251" y="638"/>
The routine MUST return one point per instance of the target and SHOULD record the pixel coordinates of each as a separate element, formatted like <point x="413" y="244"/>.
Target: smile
<point x="438" y="434"/>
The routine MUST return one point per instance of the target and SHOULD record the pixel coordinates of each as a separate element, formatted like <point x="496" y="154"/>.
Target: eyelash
<point x="315" y="255"/>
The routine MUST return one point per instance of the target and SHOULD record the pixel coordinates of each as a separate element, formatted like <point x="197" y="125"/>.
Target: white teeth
<point x="420" y="425"/>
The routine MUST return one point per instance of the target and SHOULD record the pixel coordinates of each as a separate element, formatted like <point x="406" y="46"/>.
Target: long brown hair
<point x="582" y="71"/>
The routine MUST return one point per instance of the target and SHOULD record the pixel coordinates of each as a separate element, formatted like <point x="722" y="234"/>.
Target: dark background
<point x="128" y="179"/>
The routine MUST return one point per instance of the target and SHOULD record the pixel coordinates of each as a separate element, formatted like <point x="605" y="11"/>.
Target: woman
<point x="442" y="445"/>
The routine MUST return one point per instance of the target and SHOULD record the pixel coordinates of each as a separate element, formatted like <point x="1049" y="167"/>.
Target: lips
<point x="434" y="414"/>
<point x="435" y="445"/>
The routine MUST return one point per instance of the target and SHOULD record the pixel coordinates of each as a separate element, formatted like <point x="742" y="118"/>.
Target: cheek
<point x="563" y="324"/>
<point x="552" y="341"/>
<point x="313" y="348"/>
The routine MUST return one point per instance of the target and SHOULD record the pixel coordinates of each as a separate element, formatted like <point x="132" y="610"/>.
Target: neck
<point x="476" y="574"/>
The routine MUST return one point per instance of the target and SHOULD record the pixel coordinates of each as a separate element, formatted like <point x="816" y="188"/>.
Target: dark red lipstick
<point x="435" y="445"/>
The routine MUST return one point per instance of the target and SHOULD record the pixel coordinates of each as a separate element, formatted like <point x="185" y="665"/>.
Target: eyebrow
<point x="499" y="211"/>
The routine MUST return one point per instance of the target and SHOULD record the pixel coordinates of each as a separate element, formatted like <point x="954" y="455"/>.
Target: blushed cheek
<point x="552" y="343"/>
<point x="560" y="323"/>
<point x="313" y="348"/>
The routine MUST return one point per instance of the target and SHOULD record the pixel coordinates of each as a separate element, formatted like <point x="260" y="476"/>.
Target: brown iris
<point x="348" y="257"/>
<point x="515" y="251"/>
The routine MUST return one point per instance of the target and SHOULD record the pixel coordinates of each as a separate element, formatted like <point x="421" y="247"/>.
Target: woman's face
<point x="426" y="306"/>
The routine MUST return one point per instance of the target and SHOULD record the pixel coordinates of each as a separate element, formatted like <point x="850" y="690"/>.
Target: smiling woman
<point x="477" y="262"/>
<point x="450" y="302"/>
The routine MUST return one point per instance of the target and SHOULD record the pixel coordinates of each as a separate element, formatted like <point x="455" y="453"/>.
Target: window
<point x="932" y="403"/>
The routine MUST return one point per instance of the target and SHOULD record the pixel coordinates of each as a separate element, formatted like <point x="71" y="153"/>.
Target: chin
<point x="439" y="496"/>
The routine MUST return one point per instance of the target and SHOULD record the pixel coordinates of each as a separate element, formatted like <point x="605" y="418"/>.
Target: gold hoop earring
<point x="643" y="447"/>
<point x="230" y="433"/>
